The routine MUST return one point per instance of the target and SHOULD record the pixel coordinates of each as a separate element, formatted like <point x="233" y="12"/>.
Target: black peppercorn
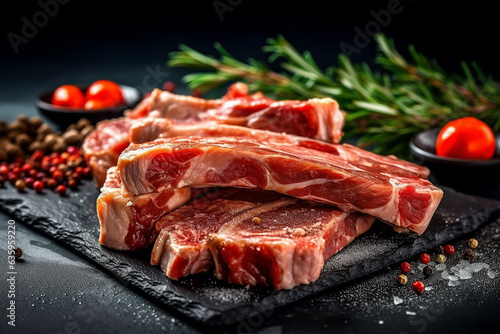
<point x="18" y="252"/>
<point x="440" y="250"/>
<point x="428" y="271"/>
<point x="469" y="255"/>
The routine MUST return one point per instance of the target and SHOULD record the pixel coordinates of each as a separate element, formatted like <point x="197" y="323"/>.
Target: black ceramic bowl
<point x="64" y="116"/>
<point x="479" y="177"/>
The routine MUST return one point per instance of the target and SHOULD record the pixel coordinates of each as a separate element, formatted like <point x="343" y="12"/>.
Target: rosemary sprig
<point x="385" y="107"/>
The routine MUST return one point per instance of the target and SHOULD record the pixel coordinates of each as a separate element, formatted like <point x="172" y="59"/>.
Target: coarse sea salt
<point x="453" y="283"/>
<point x="477" y="266"/>
<point x="411" y="313"/>
<point x="464" y="274"/>
<point x="397" y="300"/>
<point x="491" y="274"/>
<point x="440" y="266"/>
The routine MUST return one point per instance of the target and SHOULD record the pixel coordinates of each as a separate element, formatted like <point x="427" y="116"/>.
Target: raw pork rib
<point x="301" y="172"/>
<point x="104" y="144"/>
<point x="149" y="129"/>
<point x="129" y="223"/>
<point x="315" y="118"/>
<point x="181" y="247"/>
<point x="255" y="237"/>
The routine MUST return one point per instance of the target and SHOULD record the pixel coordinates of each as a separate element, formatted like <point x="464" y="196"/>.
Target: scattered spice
<point x="425" y="258"/>
<point x="41" y="171"/>
<point x="449" y="249"/>
<point x="26" y="135"/>
<point x="418" y="286"/>
<point x="20" y="184"/>
<point x="18" y="252"/>
<point x="428" y="271"/>
<point x="440" y="258"/>
<point x="402" y="279"/>
<point x="256" y="220"/>
<point x="469" y="255"/>
<point x="405" y="267"/>
<point x="472" y="243"/>
<point x="439" y="249"/>
<point x="61" y="189"/>
<point x="38" y="186"/>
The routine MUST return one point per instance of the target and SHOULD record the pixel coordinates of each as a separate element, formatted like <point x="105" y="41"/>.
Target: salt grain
<point x="476" y="267"/>
<point x="397" y="300"/>
<point x="491" y="274"/>
<point x="464" y="274"/>
<point x="463" y="263"/>
<point x="440" y="266"/>
<point x="411" y="313"/>
<point x="453" y="283"/>
<point x="453" y="278"/>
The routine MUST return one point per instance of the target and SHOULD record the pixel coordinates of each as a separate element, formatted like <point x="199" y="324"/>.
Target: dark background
<point x="89" y="40"/>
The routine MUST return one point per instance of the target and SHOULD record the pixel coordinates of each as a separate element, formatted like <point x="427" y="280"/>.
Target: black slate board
<point x="72" y="222"/>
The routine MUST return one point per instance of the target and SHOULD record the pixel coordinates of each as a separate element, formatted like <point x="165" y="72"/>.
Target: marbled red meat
<point x="315" y="118"/>
<point x="104" y="144"/>
<point x="129" y="223"/>
<point x="149" y="129"/>
<point x="256" y="237"/>
<point x="248" y="162"/>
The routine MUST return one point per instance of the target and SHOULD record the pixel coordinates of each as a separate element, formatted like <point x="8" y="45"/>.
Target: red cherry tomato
<point x="68" y="96"/>
<point x="466" y="138"/>
<point x="106" y="91"/>
<point x="95" y="105"/>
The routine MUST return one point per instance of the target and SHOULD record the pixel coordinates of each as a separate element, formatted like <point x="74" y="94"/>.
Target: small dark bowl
<point x="64" y="116"/>
<point x="477" y="177"/>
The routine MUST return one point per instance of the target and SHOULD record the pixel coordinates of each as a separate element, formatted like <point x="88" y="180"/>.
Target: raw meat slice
<point x="298" y="235"/>
<point x="142" y="109"/>
<point x="129" y="223"/>
<point x="103" y="145"/>
<point x="181" y="248"/>
<point x="283" y="245"/>
<point x="149" y="129"/>
<point x="315" y="118"/>
<point x="184" y="107"/>
<point x="405" y="202"/>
